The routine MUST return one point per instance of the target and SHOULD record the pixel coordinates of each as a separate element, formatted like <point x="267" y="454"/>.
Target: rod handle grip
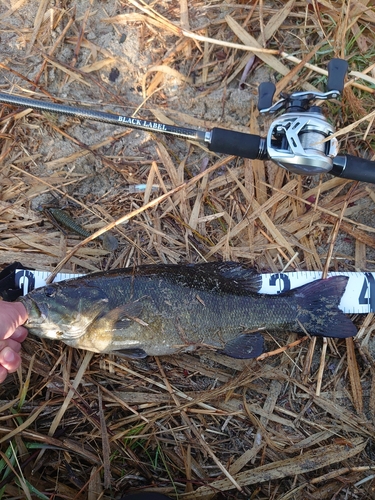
<point x="237" y="144"/>
<point x="354" y="168"/>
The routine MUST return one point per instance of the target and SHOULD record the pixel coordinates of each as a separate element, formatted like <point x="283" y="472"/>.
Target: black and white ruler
<point x="359" y="296"/>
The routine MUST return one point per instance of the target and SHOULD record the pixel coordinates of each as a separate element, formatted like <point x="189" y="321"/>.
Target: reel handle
<point x="266" y="91"/>
<point x="337" y="69"/>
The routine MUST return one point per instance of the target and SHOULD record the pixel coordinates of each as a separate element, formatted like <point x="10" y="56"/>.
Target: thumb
<point x="12" y="315"/>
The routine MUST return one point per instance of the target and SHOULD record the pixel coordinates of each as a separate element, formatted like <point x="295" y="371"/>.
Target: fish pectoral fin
<point x="135" y="353"/>
<point x="245" y="346"/>
<point x="123" y="316"/>
<point x="131" y="309"/>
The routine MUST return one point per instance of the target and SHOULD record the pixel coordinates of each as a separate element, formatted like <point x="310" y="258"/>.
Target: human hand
<point x="12" y="333"/>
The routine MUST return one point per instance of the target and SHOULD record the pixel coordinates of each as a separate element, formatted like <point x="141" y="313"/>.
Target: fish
<point x="58" y="216"/>
<point x="162" y="309"/>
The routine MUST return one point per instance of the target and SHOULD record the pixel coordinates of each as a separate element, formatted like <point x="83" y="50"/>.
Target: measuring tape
<point x="359" y="296"/>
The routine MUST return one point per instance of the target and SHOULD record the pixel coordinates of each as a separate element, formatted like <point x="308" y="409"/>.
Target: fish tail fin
<point x="319" y="313"/>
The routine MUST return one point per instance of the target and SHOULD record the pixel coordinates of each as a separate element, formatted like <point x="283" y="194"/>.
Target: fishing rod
<point x="299" y="140"/>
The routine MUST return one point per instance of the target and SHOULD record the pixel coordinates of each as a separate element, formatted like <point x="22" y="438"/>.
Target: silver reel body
<point x="301" y="143"/>
<point x="300" y="139"/>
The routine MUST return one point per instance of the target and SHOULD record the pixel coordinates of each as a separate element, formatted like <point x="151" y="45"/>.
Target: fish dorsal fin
<point x="232" y="277"/>
<point x="222" y="277"/>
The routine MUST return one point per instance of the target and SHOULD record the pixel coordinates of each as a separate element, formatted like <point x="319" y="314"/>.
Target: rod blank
<point x="100" y="116"/>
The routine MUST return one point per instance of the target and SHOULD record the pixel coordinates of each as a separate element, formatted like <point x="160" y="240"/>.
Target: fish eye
<point x="49" y="291"/>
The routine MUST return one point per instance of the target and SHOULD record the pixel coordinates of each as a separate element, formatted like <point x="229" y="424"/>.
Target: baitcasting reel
<point x="299" y="140"/>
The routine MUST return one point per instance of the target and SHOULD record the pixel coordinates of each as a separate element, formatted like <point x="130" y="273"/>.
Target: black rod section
<point x="353" y="167"/>
<point x="100" y="116"/>
<point x="234" y="143"/>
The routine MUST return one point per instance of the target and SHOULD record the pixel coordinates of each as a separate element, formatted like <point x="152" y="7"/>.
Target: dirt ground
<point x="295" y="425"/>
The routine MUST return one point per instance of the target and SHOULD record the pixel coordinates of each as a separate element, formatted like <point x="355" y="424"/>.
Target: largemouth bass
<point x="165" y="309"/>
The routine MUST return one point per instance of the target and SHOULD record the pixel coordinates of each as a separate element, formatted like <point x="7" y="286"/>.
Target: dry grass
<point x="80" y="426"/>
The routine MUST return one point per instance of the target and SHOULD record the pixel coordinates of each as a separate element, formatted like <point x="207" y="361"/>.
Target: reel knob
<point x="337" y="69"/>
<point x="266" y="91"/>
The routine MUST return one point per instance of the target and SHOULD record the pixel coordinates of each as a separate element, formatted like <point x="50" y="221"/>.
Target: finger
<point x="9" y="359"/>
<point x="12" y="315"/>
<point x="12" y="344"/>
<point x="19" y="334"/>
<point x="3" y="374"/>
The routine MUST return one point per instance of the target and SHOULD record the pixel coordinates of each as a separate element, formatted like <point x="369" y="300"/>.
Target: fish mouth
<point x="37" y="312"/>
<point x="38" y="321"/>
